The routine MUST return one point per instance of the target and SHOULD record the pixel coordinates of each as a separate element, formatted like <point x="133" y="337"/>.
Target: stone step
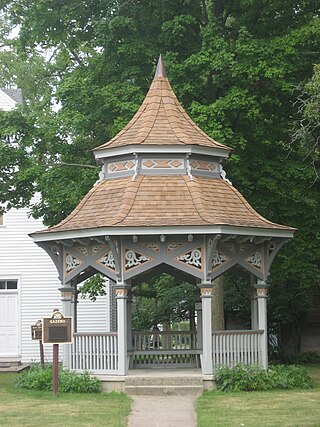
<point x="8" y="363"/>
<point x="163" y="381"/>
<point x="165" y="390"/>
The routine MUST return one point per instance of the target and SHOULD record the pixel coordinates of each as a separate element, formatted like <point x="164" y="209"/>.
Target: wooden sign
<point x="57" y="329"/>
<point x="36" y="331"/>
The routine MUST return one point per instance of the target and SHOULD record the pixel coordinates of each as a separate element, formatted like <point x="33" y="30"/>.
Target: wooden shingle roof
<point x="161" y="120"/>
<point x="163" y="201"/>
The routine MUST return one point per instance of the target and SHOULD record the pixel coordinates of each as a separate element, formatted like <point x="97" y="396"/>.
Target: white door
<point x="9" y="324"/>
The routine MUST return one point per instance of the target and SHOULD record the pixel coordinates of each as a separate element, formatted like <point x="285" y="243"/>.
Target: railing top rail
<point x="95" y="334"/>
<point x="237" y="332"/>
<point x="164" y="332"/>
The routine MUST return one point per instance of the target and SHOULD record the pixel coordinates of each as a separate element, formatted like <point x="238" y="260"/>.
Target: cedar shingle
<point x="163" y="201"/>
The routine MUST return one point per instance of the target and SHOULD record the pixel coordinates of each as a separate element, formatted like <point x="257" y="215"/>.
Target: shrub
<point x="40" y="378"/>
<point x="255" y="378"/>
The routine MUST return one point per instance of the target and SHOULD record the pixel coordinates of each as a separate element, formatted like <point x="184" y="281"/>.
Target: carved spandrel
<point x="192" y="258"/>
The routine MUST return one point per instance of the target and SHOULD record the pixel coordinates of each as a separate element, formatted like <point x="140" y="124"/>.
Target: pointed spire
<point x="160" y="70"/>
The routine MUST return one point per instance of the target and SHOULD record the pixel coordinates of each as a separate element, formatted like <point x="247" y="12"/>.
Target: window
<point x="8" y="284"/>
<point x="1" y="219"/>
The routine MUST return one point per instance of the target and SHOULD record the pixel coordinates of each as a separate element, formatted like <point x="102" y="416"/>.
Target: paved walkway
<point x="163" y="411"/>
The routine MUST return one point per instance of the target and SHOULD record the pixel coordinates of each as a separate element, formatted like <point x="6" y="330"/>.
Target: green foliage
<point x="93" y="287"/>
<point x="164" y="299"/>
<point x="234" y="65"/>
<point x="308" y="358"/>
<point x="255" y="378"/>
<point x="40" y="378"/>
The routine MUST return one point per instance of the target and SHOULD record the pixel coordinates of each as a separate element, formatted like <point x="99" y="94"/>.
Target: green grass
<point x="294" y="408"/>
<point x="39" y="408"/>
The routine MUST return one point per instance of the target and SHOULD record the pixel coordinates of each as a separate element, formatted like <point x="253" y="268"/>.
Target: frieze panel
<point x="163" y="164"/>
<point x="121" y="166"/>
<point x="203" y="165"/>
<point x="107" y="260"/>
<point x="134" y="259"/>
<point x="71" y="263"/>
<point x="82" y="249"/>
<point x="172" y="246"/>
<point x="218" y="258"/>
<point x="192" y="258"/>
<point x="153" y="246"/>
<point x="96" y="248"/>
<point x="255" y="260"/>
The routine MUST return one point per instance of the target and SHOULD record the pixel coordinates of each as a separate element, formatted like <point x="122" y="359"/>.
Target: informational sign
<point x="57" y="329"/>
<point x="36" y="331"/>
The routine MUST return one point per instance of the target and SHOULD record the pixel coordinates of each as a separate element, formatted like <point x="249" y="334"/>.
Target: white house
<point x="29" y="283"/>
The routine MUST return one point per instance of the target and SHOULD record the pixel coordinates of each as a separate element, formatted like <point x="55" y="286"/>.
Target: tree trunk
<point x="217" y="305"/>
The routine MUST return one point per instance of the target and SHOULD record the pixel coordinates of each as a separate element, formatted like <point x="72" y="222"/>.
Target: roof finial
<point x="160" y="70"/>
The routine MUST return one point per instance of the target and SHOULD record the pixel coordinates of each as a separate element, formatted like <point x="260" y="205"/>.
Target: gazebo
<point x="163" y="204"/>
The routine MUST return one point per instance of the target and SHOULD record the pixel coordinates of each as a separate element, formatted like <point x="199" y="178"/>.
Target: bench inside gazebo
<point x="163" y="204"/>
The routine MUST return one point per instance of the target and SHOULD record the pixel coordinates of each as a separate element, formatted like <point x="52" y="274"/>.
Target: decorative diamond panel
<point x="163" y="163"/>
<point x="121" y="166"/>
<point x="203" y="165"/>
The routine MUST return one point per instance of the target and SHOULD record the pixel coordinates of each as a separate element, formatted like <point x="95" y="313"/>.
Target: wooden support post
<point x="67" y="296"/>
<point x="207" y="357"/>
<point x="121" y="295"/>
<point x="261" y="289"/>
<point x="41" y="353"/>
<point x="55" y="369"/>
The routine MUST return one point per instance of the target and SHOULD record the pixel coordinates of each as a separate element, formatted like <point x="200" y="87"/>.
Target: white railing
<point x="169" y="340"/>
<point x="95" y="352"/>
<point x="232" y="347"/>
<point x="162" y="349"/>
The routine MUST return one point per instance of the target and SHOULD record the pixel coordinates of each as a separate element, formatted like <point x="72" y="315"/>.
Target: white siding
<point x="22" y="259"/>
<point x="6" y="103"/>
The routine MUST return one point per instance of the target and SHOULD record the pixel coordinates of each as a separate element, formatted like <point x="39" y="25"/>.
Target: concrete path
<point x="163" y="411"/>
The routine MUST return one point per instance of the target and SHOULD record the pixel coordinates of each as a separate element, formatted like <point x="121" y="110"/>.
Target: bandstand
<point x="163" y="204"/>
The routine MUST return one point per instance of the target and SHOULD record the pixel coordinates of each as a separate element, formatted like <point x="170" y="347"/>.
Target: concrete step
<point x="163" y="381"/>
<point x="5" y="363"/>
<point x="163" y="390"/>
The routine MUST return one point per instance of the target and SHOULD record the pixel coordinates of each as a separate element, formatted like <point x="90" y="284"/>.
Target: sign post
<point x="36" y="334"/>
<point x="56" y="330"/>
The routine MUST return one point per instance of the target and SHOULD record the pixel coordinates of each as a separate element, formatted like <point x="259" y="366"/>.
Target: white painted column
<point x="122" y="296"/>
<point x="67" y="297"/>
<point x="261" y="289"/>
<point x="129" y="320"/>
<point x="198" y="308"/>
<point x="254" y="309"/>
<point x="206" y="297"/>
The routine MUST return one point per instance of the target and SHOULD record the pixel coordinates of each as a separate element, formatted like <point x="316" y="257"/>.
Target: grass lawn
<point x="35" y="408"/>
<point x="293" y="408"/>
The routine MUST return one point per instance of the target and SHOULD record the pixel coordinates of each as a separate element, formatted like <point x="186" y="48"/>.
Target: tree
<point x="164" y="299"/>
<point x="233" y="64"/>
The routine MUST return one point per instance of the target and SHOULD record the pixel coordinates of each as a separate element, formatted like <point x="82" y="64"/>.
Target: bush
<point x="40" y="378"/>
<point x="255" y="378"/>
<point x="310" y="357"/>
